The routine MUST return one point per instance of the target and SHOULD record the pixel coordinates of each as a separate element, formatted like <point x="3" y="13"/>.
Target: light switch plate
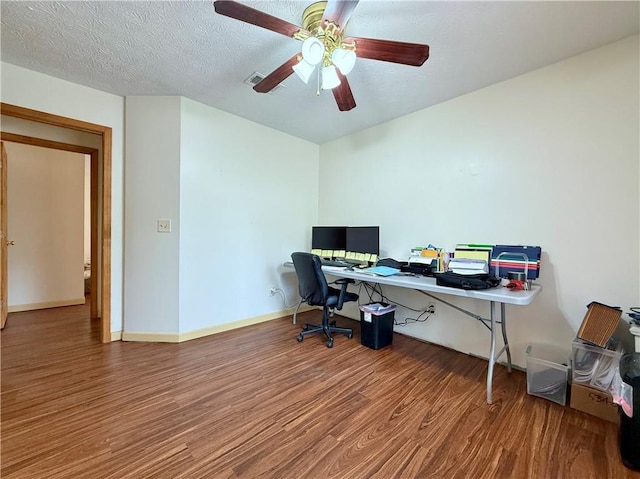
<point x="164" y="226"/>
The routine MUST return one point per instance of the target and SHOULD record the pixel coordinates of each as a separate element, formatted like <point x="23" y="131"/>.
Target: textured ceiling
<point x="185" y="48"/>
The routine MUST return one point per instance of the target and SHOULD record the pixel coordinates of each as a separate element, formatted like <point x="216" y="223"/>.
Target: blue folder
<point x="381" y="270"/>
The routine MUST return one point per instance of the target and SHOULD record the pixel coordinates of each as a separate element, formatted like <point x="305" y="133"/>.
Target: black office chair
<point x="314" y="290"/>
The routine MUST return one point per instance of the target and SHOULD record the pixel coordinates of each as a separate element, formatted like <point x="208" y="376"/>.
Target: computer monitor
<point x="363" y="239"/>
<point x="332" y="238"/>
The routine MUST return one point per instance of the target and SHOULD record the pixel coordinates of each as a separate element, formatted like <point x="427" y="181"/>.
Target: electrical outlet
<point x="431" y="308"/>
<point x="273" y="290"/>
<point x="164" y="226"/>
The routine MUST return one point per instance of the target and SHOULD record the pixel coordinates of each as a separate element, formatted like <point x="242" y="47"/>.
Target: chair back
<point x="312" y="285"/>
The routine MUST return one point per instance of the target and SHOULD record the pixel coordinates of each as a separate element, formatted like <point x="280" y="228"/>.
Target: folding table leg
<point x="503" y="321"/>
<point x="492" y="354"/>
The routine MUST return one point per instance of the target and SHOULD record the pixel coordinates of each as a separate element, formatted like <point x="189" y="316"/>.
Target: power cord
<point x="284" y="298"/>
<point x="419" y="319"/>
<point x="372" y="290"/>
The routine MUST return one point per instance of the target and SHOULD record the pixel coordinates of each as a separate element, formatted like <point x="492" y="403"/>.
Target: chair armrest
<point x="344" y="282"/>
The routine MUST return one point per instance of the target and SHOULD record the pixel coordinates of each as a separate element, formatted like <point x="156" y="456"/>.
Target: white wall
<point x="549" y="158"/>
<point x="34" y="90"/>
<point x="248" y="199"/>
<point x="152" y="193"/>
<point x="241" y="198"/>
<point x="45" y="219"/>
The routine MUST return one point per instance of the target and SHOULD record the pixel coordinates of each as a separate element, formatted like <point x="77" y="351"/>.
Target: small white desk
<point x="427" y="286"/>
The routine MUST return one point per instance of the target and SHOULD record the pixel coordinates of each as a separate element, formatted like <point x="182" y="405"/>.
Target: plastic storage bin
<point x="376" y="325"/>
<point x="547" y="372"/>
<point x="594" y="366"/>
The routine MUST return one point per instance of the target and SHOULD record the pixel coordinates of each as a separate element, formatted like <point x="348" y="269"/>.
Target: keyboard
<point x="335" y="262"/>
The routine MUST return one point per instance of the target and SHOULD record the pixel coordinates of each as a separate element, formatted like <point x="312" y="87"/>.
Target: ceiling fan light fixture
<point x="345" y="60"/>
<point x="324" y="46"/>
<point x="304" y="70"/>
<point x="330" y="78"/>
<point x="312" y="50"/>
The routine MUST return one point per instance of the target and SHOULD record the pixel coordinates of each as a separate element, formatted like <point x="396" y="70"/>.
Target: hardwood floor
<point x="256" y="403"/>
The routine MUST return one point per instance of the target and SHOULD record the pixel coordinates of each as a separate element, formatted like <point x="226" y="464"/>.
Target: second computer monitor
<point x="363" y="239"/>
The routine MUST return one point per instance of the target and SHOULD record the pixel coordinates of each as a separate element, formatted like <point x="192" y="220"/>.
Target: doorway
<point x="100" y="202"/>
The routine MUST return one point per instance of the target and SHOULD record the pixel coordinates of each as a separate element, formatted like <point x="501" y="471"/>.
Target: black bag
<point x="466" y="281"/>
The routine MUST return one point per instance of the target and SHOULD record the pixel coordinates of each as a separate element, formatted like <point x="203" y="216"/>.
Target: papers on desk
<point x="332" y="268"/>
<point x="468" y="266"/>
<point x="380" y="271"/>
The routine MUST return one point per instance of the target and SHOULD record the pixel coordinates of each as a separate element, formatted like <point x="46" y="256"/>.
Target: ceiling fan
<point x="324" y="45"/>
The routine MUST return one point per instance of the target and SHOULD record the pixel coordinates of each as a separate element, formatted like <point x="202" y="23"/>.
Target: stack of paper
<point x="468" y="266"/>
<point x="421" y="260"/>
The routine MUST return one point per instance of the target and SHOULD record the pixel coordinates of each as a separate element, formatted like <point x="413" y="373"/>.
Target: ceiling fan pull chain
<point x="318" y="84"/>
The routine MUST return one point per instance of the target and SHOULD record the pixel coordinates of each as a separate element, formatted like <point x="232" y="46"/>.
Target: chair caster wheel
<point x="305" y="327"/>
<point x="350" y="335"/>
<point x="330" y="343"/>
<point x="299" y="338"/>
<point x="332" y="323"/>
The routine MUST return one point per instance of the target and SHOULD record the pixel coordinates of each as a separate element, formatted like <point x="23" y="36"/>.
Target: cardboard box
<point x="594" y="402"/>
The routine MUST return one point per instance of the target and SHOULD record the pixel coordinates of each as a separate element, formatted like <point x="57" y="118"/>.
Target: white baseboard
<point x="17" y="308"/>
<point x="151" y="337"/>
<point x="116" y="335"/>
<point x="199" y="333"/>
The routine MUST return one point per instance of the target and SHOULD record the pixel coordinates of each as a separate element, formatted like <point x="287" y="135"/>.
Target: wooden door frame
<point x="100" y="192"/>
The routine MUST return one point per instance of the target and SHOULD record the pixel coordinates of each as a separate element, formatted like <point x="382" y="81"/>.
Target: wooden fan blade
<point x="339" y="11"/>
<point x="277" y="76"/>
<point x="389" y="51"/>
<point x="342" y="94"/>
<point x="256" y="17"/>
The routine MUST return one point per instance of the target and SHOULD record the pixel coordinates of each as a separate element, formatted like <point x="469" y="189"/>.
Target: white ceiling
<point x="185" y="48"/>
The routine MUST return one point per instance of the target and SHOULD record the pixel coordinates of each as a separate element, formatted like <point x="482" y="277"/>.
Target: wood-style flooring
<point x="254" y="402"/>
